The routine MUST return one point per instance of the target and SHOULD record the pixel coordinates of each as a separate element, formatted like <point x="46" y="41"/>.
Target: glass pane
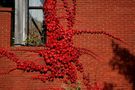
<point x="36" y="2"/>
<point x="36" y="31"/>
<point x="37" y="14"/>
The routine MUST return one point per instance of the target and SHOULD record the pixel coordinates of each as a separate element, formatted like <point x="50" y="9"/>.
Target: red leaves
<point x="60" y="56"/>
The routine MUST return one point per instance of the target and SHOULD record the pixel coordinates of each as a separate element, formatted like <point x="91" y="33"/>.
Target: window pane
<point x="37" y="14"/>
<point x="36" y="2"/>
<point x="36" y="31"/>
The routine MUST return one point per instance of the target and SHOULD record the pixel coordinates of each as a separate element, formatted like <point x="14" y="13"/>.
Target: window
<point x="29" y="27"/>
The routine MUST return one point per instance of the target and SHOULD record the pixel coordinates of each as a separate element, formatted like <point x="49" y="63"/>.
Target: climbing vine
<point x="60" y="56"/>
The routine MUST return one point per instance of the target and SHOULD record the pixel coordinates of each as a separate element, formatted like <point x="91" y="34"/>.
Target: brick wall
<point x="113" y="16"/>
<point x="5" y="27"/>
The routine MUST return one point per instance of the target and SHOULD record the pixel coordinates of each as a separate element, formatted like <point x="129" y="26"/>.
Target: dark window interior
<point x="7" y="3"/>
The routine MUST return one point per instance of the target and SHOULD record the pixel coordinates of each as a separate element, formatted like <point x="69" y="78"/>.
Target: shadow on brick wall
<point x="108" y="86"/>
<point x="124" y="61"/>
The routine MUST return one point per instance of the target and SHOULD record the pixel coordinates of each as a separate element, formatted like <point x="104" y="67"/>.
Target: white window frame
<point x="21" y="22"/>
<point x="20" y="34"/>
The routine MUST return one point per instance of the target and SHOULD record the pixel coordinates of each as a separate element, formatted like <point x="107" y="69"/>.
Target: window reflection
<point x="36" y="35"/>
<point x="36" y="2"/>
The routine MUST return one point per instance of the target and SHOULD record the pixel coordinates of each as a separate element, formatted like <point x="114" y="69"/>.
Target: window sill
<point x="2" y="9"/>
<point x="26" y="48"/>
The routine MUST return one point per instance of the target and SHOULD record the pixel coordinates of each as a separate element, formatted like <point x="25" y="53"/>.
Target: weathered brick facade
<point x="113" y="16"/>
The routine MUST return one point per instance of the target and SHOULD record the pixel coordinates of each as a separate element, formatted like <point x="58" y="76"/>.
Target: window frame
<point x="27" y="24"/>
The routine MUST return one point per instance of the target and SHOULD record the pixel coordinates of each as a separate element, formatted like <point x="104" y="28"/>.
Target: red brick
<point x="113" y="16"/>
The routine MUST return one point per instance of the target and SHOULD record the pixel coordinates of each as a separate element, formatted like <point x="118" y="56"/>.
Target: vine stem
<point x="8" y="71"/>
<point x="100" y="33"/>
